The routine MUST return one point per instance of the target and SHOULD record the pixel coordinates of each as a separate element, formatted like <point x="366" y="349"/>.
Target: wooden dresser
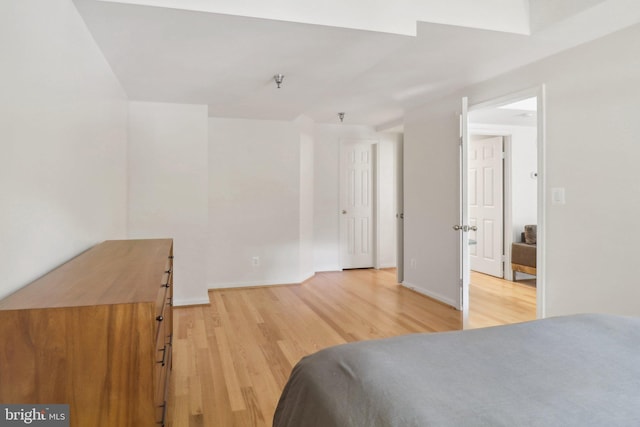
<point x="96" y="334"/>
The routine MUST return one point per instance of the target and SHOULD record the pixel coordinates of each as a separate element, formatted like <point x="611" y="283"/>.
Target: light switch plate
<point x="557" y="196"/>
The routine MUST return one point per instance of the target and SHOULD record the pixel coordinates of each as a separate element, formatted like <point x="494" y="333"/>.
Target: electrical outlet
<point x="412" y="263"/>
<point x="255" y="261"/>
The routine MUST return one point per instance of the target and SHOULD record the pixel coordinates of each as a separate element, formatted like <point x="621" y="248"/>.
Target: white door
<point x="486" y="205"/>
<point x="463" y="222"/>
<point x="356" y="205"/>
<point x="442" y="258"/>
<point x="400" y="211"/>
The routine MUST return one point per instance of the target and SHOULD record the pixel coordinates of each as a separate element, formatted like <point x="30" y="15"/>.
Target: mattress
<point x="581" y="370"/>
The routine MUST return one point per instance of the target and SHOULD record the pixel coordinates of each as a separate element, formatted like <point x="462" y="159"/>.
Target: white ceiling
<point x="397" y="17"/>
<point x="228" y="62"/>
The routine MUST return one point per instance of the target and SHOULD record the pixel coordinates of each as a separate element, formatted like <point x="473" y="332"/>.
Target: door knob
<point x="465" y="227"/>
<point x="344" y="212"/>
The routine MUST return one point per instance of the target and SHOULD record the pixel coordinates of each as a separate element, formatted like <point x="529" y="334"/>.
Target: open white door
<point x="439" y="248"/>
<point x="463" y="224"/>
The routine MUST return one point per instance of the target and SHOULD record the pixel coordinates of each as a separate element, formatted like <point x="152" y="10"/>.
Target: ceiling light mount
<point x="341" y="117"/>
<point x="278" y="79"/>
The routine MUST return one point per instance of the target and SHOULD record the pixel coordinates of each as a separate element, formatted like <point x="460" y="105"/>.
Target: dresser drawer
<point x="164" y="291"/>
<point x="161" y="381"/>
<point x="103" y="321"/>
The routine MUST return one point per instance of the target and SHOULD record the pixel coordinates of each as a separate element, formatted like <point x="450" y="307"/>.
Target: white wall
<point x="307" y="185"/>
<point x="168" y="183"/>
<point x="254" y="202"/>
<point x="62" y="138"/>
<point x="591" y="151"/>
<point x="326" y="204"/>
<point x="387" y="197"/>
<point x="273" y="194"/>
<point x="524" y="187"/>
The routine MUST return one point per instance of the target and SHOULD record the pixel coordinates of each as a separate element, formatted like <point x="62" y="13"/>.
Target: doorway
<point x="357" y="168"/>
<point x="370" y="197"/>
<point x="514" y="123"/>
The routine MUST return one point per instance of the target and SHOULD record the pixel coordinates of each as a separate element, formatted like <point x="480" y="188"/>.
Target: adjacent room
<point x="198" y="195"/>
<point x="502" y="204"/>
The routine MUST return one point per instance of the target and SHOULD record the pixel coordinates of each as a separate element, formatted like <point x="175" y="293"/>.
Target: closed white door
<point x="356" y="214"/>
<point x="485" y="200"/>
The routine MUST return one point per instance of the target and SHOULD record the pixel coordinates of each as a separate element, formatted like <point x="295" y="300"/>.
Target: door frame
<point x="540" y="93"/>
<point x="399" y="174"/>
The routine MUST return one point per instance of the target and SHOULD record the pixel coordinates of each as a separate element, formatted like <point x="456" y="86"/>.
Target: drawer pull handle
<point x="164" y="354"/>
<point x="166" y="285"/>
<point x="168" y="271"/>
<point x="164" y="414"/>
<point x="159" y="318"/>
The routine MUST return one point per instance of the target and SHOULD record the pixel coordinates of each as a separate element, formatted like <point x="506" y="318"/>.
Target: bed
<point x="580" y="370"/>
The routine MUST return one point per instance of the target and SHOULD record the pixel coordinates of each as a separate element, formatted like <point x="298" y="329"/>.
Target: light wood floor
<point x="233" y="357"/>
<point x="494" y="301"/>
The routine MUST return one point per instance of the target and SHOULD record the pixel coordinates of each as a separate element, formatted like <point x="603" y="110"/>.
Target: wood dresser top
<point x="112" y="272"/>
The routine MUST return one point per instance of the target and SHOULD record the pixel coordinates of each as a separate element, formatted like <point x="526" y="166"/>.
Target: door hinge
<point x="504" y="258"/>
<point x="504" y="155"/>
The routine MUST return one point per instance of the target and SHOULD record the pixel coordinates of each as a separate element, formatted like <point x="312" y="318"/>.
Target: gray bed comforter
<point x="581" y="370"/>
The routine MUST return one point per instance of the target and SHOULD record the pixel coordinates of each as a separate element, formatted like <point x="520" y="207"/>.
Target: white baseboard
<point x="289" y="281"/>
<point x="392" y="265"/>
<point x="307" y="276"/>
<point x="190" y="301"/>
<point x="431" y="294"/>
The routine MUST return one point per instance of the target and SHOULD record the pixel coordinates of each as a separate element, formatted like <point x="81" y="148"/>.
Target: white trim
<point x="541" y="277"/>
<point x="191" y="301"/>
<point x="505" y="99"/>
<point x="382" y="266"/>
<point x="432" y="295"/>
<point x="330" y="269"/>
<point x="507" y="198"/>
<point x="375" y="181"/>
<point x="259" y="283"/>
<point x="399" y="147"/>
<point x="307" y="276"/>
<point x="465" y="259"/>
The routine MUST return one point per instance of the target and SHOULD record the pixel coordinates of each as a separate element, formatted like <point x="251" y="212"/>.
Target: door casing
<point x="539" y="92"/>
